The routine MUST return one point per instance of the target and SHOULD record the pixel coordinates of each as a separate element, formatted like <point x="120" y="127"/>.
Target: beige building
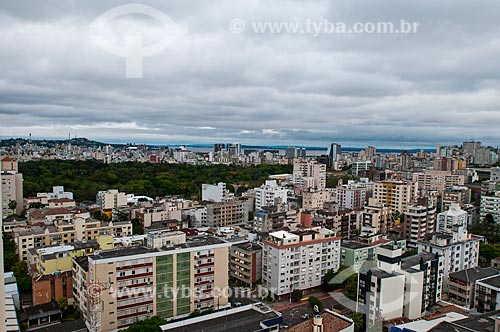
<point x="11" y="186"/>
<point x="377" y="215"/>
<point x="395" y="194"/>
<point x="64" y="232"/>
<point x="116" y="288"/>
<point x="149" y="216"/>
<point x="437" y="180"/>
<point x="315" y="199"/>
<point x="309" y="174"/>
<point x="111" y="199"/>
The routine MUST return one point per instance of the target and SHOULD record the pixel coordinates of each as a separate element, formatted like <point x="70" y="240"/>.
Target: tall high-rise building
<point x="309" y="174"/>
<point x="334" y="151"/>
<point x="12" y="187"/>
<point x="218" y="147"/>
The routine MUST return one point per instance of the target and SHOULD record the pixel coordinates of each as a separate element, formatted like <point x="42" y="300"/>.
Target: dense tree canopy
<point x="86" y="178"/>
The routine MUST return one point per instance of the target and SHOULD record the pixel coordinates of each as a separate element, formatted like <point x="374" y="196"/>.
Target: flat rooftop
<point x="354" y="245"/>
<point x="194" y="242"/>
<point x="411" y="261"/>
<point x="243" y="321"/>
<point x="473" y="274"/>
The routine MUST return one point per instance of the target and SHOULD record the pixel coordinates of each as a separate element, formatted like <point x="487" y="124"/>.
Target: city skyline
<point x="437" y="85"/>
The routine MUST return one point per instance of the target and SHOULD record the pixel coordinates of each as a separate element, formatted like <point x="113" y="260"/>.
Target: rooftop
<point x="331" y="322"/>
<point x="193" y="242"/>
<point x="473" y="274"/>
<point x="354" y="245"/>
<point x="242" y="319"/>
<point x="492" y="281"/>
<point x="411" y="261"/>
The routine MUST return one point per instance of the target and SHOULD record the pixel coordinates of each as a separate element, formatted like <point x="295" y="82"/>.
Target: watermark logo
<point x="134" y="51"/>
<point x="315" y="28"/>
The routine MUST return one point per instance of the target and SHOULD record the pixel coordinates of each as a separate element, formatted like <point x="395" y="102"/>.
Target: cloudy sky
<point x="210" y="84"/>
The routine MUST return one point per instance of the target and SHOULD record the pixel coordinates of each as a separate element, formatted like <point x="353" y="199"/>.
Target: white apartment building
<point x="400" y="287"/>
<point x="459" y="249"/>
<point x="270" y="194"/>
<point x="298" y="261"/>
<point x="398" y="195"/>
<point x="215" y="192"/>
<point x="490" y="204"/>
<point x="350" y="197"/>
<point x="309" y="174"/>
<point x="487" y="294"/>
<point x="111" y="199"/>
<point x="57" y="193"/>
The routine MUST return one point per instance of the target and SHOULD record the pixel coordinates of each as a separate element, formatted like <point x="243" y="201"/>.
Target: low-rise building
<point x="65" y="232"/>
<point x="488" y="294"/>
<point x="462" y="285"/>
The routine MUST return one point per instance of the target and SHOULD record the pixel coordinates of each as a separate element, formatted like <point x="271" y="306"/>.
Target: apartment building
<point x="462" y="285"/>
<point x="314" y="199"/>
<point x="490" y="206"/>
<point x="344" y="222"/>
<point x="488" y="294"/>
<point x="400" y="287"/>
<point x="397" y="195"/>
<point x="377" y="215"/>
<point x="451" y="240"/>
<point x="299" y="260"/>
<point x="51" y="268"/>
<point x="57" y="193"/>
<point x="11" y="186"/>
<point x="65" y="232"/>
<point x="218" y="214"/>
<point x="437" y="180"/>
<point x="245" y="263"/>
<point x="419" y="222"/>
<point x="111" y="199"/>
<point x="350" y="197"/>
<point x="149" y="216"/>
<point x="115" y="288"/>
<point x="270" y="194"/>
<point x="456" y="195"/>
<point x="215" y="192"/>
<point x="309" y="174"/>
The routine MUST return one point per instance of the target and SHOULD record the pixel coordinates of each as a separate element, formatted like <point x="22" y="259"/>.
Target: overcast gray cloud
<point x="439" y="85"/>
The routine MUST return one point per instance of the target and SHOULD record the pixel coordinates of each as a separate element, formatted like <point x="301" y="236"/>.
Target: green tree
<point x="62" y="303"/>
<point x="148" y="325"/>
<point x="20" y="270"/>
<point x="297" y="295"/>
<point x="488" y="251"/>
<point x="12" y="205"/>
<point x="358" y="320"/>
<point x="314" y="301"/>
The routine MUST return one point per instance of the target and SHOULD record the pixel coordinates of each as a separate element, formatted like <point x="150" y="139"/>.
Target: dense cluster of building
<point x="400" y="223"/>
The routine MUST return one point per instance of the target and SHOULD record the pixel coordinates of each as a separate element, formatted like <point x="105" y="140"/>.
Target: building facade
<point x="298" y="261"/>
